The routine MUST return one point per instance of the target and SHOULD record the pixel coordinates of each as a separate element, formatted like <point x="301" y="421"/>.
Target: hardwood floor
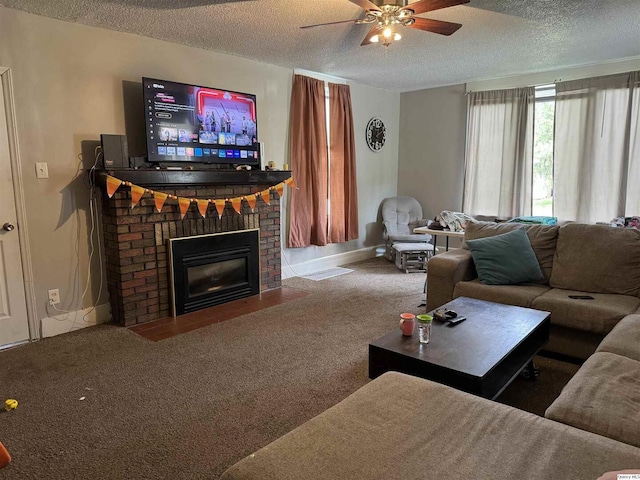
<point x="169" y="327"/>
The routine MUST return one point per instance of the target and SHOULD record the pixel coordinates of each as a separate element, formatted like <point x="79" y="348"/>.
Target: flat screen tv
<point x="188" y="123"/>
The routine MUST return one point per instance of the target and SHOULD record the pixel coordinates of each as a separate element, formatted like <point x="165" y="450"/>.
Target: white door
<point x="14" y="325"/>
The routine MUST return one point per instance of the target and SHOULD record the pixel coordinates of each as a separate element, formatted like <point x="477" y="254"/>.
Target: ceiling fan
<point x="386" y="15"/>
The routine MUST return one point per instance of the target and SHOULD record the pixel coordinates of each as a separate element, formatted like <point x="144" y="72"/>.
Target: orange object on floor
<point x="5" y="458"/>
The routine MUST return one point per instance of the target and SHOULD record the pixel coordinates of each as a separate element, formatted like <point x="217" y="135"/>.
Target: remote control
<point x="454" y="321"/>
<point x="581" y="297"/>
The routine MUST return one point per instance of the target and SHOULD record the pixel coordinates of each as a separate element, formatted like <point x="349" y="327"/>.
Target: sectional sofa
<point x="603" y="397"/>
<point x="594" y="260"/>
<point x="403" y="427"/>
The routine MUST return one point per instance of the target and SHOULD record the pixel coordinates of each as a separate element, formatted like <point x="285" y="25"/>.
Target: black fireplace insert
<point x="209" y="270"/>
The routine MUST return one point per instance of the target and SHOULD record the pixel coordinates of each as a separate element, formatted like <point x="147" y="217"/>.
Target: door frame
<point x="20" y="204"/>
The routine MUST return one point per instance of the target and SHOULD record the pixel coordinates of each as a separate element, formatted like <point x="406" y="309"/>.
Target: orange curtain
<point x="343" y="191"/>
<point x="308" y="150"/>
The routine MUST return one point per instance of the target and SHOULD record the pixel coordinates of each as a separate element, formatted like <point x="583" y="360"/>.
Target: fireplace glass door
<point x="208" y="270"/>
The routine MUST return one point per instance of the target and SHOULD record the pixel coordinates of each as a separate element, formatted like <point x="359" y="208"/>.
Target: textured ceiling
<point x="498" y="37"/>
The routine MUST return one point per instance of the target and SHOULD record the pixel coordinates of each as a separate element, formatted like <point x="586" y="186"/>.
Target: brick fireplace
<point x="136" y="239"/>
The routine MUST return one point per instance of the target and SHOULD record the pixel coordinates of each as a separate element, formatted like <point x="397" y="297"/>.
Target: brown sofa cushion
<point x="624" y="339"/>
<point x="542" y="237"/>
<point x="402" y="427"/>
<point x="597" y="258"/>
<point x="519" y="295"/>
<point x="602" y="398"/>
<point x="599" y="315"/>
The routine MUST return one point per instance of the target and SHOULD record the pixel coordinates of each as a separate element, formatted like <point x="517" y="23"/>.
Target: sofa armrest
<point x="444" y="271"/>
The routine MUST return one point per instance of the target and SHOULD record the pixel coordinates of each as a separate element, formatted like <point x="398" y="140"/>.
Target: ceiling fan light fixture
<point x="386" y="37"/>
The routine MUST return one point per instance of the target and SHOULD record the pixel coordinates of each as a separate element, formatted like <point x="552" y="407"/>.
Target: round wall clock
<point x="376" y="134"/>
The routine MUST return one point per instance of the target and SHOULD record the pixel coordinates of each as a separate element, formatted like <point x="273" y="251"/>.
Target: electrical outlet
<point x="54" y="296"/>
<point x="42" y="170"/>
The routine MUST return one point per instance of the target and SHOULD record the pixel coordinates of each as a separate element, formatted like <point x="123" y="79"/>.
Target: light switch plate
<point x="42" y="170"/>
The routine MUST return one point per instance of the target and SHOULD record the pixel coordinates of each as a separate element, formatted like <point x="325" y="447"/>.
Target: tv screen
<point x="188" y="123"/>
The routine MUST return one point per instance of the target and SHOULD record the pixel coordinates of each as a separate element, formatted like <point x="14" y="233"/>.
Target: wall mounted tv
<point x="188" y="123"/>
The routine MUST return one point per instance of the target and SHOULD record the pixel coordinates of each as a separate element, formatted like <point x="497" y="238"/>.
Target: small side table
<point x="435" y="233"/>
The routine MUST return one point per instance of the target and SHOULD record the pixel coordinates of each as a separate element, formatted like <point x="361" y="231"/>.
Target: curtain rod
<point x="544" y="84"/>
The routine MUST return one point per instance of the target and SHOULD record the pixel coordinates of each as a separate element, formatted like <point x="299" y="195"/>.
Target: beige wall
<point x="68" y="88"/>
<point x="432" y="145"/>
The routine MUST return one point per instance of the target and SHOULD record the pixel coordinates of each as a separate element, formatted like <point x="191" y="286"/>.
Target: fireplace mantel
<point x="181" y="178"/>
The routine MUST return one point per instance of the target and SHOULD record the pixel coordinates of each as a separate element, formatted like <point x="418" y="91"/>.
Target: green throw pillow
<point x="505" y="259"/>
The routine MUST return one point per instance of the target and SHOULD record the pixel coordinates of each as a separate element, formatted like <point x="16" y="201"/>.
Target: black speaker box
<point x="115" y="151"/>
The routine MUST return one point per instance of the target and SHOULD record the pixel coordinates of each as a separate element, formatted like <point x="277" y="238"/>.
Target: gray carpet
<point x="190" y="406"/>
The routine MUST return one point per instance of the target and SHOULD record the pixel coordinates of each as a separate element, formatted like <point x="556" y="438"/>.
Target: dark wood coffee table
<point x="481" y="355"/>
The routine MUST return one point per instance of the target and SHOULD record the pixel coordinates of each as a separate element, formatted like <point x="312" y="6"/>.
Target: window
<point x="325" y="207"/>
<point x="569" y="150"/>
<point x="542" y="189"/>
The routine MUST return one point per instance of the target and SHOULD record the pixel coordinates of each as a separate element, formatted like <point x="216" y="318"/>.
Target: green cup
<point x="424" y="328"/>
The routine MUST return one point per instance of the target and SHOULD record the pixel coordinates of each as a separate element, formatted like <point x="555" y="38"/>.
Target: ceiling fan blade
<point x="365" y="4"/>
<point x="435" y="26"/>
<point x="367" y="39"/>
<point x="330" y="23"/>
<point x="424" y="6"/>
<point x="162" y="4"/>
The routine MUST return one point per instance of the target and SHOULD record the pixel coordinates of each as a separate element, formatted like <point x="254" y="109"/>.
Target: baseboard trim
<point x="331" y="261"/>
<point x="68" y="322"/>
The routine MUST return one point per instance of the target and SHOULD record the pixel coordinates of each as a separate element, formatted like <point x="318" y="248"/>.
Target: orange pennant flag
<point x="219" y="207"/>
<point x="237" y="204"/>
<point x="202" y="207"/>
<point x="289" y="181"/>
<point x="251" y="200"/>
<point x="184" y="206"/>
<point x="112" y="185"/>
<point x="136" y="194"/>
<point x="266" y="196"/>
<point x="160" y="198"/>
<point x="280" y="188"/>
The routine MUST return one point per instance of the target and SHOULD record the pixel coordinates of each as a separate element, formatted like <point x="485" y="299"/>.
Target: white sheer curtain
<point x="499" y="157"/>
<point x="597" y="148"/>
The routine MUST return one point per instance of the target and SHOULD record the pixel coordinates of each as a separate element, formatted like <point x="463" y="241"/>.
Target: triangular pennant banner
<point x="112" y="185"/>
<point x="251" y="200"/>
<point x="219" y="207"/>
<point x="184" y="206"/>
<point x="266" y="196"/>
<point x="237" y="204"/>
<point x="160" y="198"/>
<point x="202" y="207"/>
<point x="136" y="194"/>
